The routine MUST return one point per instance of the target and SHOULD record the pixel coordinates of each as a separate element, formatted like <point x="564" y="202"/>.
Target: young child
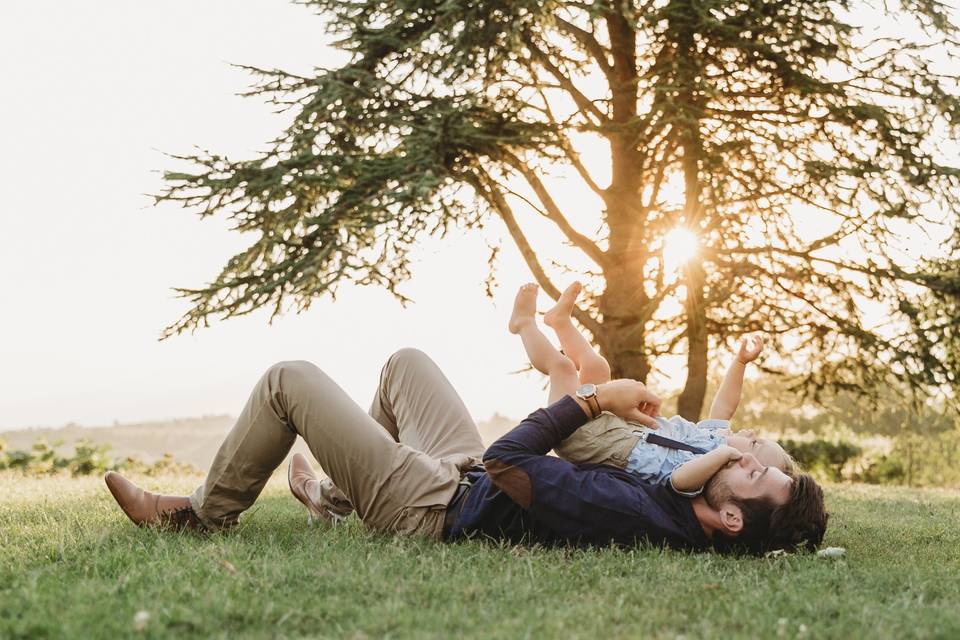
<point x="611" y="440"/>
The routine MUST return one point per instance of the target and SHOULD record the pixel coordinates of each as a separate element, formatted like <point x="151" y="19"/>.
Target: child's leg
<point x="543" y="355"/>
<point x="593" y="367"/>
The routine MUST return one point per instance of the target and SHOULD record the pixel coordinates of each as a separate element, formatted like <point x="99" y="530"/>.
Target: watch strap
<point x="594" y="405"/>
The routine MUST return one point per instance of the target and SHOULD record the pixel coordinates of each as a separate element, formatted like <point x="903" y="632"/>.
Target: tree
<point x="750" y="108"/>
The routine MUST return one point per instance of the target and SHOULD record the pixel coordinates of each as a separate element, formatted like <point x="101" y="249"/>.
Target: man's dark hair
<point x="797" y="524"/>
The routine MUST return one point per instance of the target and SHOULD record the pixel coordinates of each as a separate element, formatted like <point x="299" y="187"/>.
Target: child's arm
<point x="728" y="395"/>
<point x="692" y="475"/>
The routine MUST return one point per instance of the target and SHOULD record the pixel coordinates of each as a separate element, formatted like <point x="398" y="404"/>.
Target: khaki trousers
<point x="608" y="439"/>
<point x="399" y="465"/>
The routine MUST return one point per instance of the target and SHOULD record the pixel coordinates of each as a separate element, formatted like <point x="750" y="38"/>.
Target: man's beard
<point x="717" y="492"/>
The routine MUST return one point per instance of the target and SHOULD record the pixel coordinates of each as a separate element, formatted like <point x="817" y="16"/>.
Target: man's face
<point x="747" y="478"/>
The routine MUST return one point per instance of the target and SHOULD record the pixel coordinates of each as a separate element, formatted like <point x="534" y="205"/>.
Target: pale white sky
<point x="92" y="94"/>
<point x="91" y="98"/>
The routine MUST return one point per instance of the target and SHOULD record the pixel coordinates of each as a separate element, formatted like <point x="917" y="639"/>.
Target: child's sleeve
<point x="714" y="424"/>
<point x="647" y="461"/>
<point x="668" y="481"/>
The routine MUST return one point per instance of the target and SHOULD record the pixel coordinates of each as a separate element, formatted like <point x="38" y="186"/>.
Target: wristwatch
<point x="588" y="393"/>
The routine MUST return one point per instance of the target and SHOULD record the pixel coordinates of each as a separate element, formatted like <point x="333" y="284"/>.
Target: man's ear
<point x="731" y="518"/>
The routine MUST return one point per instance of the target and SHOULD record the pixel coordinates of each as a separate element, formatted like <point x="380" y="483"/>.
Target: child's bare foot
<point x="524" y="308"/>
<point x="564" y="306"/>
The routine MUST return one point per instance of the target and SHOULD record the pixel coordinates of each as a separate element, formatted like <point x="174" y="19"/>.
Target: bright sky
<point x="87" y="265"/>
<point x="91" y="99"/>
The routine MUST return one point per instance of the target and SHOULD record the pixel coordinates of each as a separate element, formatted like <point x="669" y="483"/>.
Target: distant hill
<point x="495" y="427"/>
<point x="190" y="440"/>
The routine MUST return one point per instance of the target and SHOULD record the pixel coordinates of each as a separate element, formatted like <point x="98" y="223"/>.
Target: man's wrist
<point x="588" y="393"/>
<point x="584" y="406"/>
<point x="602" y="400"/>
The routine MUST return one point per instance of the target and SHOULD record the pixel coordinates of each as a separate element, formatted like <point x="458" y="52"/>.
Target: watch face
<point x="586" y="390"/>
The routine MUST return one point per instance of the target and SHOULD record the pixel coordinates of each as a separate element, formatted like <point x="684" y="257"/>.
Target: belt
<point x="455" y="507"/>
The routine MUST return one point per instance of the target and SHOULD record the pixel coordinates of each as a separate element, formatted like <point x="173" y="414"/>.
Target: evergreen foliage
<point x="453" y="112"/>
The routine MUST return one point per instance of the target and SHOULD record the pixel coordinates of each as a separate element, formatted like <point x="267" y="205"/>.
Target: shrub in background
<point x="884" y="470"/>
<point x="88" y="458"/>
<point x="829" y="458"/>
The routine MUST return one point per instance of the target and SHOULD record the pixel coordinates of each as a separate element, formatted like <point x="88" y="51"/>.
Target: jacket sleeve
<point x="512" y="459"/>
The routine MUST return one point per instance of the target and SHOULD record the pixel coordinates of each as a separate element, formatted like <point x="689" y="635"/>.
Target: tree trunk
<point x="690" y="402"/>
<point x="623" y="338"/>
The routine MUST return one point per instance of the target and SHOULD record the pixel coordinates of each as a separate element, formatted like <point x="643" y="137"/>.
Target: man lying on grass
<point x="412" y="465"/>
<point x="681" y="454"/>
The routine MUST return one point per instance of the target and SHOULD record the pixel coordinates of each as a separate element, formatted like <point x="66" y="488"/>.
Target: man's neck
<point x="706" y="515"/>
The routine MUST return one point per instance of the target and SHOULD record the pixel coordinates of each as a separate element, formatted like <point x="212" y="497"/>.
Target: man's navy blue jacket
<point x="527" y="496"/>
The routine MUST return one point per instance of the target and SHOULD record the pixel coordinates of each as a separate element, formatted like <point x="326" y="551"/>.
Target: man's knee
<point x="406" y="365"/>
<point x="289" y="372"/>
<point x="409" y="357"/>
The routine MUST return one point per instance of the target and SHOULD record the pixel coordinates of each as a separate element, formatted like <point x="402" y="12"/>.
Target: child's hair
<point x="790" y="466"/>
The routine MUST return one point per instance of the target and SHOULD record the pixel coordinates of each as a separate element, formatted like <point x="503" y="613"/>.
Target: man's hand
<point x="750" y="348"/>
<point x="629" y="399"/>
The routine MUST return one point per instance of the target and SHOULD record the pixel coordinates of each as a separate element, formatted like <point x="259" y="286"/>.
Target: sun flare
<point x="679" y="245"/>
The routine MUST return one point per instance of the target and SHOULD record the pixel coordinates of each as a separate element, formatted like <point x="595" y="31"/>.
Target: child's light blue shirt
<point x="655" y="463"/>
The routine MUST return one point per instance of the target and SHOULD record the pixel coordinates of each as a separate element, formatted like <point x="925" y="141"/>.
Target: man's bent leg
<point x="257" y="444"/>
<point x="419" y="407"/>
<point x="357" y="453"/>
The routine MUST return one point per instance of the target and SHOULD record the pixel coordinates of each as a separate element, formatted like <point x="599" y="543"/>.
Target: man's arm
<point x="692" y="475"/>
<point x="728" y="395"/>
<point x="510" y="460"/>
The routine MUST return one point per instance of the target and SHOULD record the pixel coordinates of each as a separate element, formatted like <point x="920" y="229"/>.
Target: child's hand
<point x="750" y="348"/>
<point x="731" y="453"/>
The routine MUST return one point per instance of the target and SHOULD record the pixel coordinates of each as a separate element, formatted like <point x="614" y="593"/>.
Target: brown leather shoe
<point x="323" y="500"/>
<point x="145" y="508"/>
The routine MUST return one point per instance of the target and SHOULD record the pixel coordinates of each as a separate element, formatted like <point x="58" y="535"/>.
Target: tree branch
<point x="583" y="102"/>
<point x="589" y="43"/>
<point x="486" y="186"/>
<point x="571" y="153"/>
<point x="555" y="215"/>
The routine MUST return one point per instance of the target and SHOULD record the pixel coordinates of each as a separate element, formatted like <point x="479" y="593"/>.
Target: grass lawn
<point x="72" y="566"/>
